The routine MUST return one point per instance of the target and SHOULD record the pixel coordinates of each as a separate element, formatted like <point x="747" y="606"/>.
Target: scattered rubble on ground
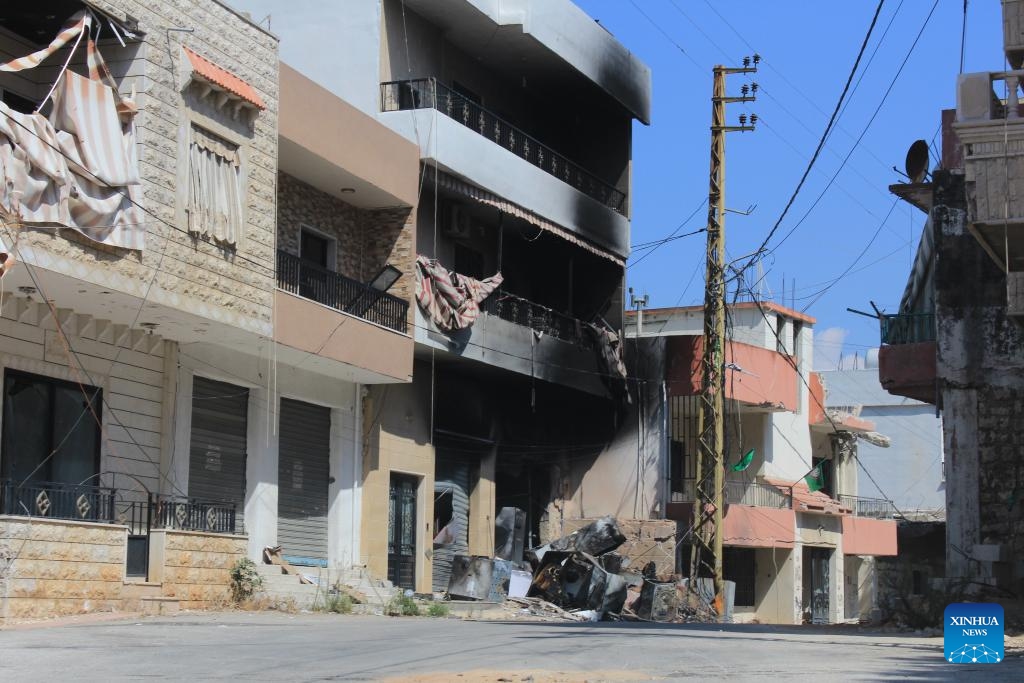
<point x="586" y="575"/>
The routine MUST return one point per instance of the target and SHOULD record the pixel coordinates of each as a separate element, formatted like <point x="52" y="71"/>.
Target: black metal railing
<point x="176" y="512"/>
<point x="58" y="501"/>
<point x="879" y="508"/>
<point x="523" y="312"/>
<point x="753" y="493"/>
<point x="428" y="93"/>
<point x="907" y="328"/>
<point x="340" y="293"/>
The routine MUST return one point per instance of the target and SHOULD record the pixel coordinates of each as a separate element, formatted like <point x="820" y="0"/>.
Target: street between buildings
<point x="304" y="647"/>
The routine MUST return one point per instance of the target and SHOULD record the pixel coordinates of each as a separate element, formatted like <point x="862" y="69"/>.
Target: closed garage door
<point x="303" y="469"/>
<point x="217" y="453"/>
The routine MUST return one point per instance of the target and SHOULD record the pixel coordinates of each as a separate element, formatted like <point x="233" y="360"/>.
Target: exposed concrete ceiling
<point x="327" y="177"/>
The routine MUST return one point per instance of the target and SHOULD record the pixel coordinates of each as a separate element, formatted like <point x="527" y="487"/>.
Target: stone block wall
<point x="55" y="567"/>
<point x="195" y="567"/>
<point x="234" y="286"/>
<point x="366" y="239"/>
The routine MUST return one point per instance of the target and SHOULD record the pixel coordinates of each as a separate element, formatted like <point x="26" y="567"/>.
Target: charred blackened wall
<point x="981" y="373"/>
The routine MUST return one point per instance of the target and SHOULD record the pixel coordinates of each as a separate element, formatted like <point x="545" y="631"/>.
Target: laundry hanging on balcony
<point x="77" y="168"/>
<point x="452" y="301"/>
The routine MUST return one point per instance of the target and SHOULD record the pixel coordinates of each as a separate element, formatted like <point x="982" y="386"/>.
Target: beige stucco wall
<point x="57" y="567"/>
<point x="397" y="439"/>
<point x="194" y="567"/>
<point x="311" y="327"/>
<point x="235" y="287"/>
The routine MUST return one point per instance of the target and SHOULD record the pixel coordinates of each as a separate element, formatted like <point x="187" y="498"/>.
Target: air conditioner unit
<point x="456" y="222"/>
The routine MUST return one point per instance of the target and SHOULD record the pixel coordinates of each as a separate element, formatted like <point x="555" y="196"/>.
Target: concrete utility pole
<point x="706" y="552"/>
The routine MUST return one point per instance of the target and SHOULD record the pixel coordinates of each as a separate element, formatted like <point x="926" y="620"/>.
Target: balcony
<point x="906" y="360"/>
<point x="428" y="93"/>
<point x="876" y="508"/>
<point x="341" y="293"/>
<point x="520" y="311"/>
<point x="754" y="494"/>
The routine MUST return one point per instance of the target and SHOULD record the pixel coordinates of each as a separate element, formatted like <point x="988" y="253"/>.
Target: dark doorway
<point x="402" y="531"/>
<point x="816" y="584"/>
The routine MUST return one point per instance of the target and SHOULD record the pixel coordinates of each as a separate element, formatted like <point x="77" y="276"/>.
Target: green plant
<point x="403" y="606"/>
<point x="438" y="609"/>
<point x="339" y="603"/>
<point x="245" y="580"/>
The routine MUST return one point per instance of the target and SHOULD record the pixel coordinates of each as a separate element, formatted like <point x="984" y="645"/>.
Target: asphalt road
<point x="280" y="647"/>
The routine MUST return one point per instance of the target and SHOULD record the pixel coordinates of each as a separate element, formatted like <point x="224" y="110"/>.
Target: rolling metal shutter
<point x="451" y="479"/>
<point x="217" y="452"/>
<point x="303" y="470"/>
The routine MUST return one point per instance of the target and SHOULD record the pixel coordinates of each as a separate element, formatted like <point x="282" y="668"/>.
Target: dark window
<point x="314" y="249"/>
<point x="677" y="467"/>
<point x="469" y="261"/>
<point x="738" y="565"/>
<point x="917" y="579"/>
<point x="49" y="431"/>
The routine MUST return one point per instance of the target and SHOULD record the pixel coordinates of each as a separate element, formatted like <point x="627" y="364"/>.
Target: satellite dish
<point x="917" y="161"/>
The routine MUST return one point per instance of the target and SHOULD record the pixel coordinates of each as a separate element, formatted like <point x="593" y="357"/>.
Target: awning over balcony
<point x="449" y="182"/>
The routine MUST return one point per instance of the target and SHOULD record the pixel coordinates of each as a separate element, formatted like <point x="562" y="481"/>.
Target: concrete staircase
<point x="286" y="591"/>
<point x="148" y="598"/>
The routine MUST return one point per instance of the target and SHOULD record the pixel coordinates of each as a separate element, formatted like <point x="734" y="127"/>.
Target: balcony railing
<point x="58" y="501"/>
<point x="537" y="317"/>
<point x="754" y="493"/>
<point x="428" y="93"/>
<point x="907" y="328"/>
<point x="879" y="508"/>
<point x="340" y="293"/>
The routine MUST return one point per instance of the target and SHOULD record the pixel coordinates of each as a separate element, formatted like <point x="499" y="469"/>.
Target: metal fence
<point x="428" y="93"/>
<point x="753" y="493"/>
<point x="878" y="508"/>
<point x="537" y="317"/>
<point x="907" y="328"/>
<point x="341" y="293"/>
<point x="57" y="501"/>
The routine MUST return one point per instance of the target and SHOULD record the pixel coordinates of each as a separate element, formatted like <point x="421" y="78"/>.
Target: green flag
<point x="815" y="479"/>
<point x="744" y="462"/>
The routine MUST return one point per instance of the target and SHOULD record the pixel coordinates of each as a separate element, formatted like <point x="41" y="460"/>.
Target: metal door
<point x="303" y="472"/>
<point x="819" y="585"/>
<point x="451" y="493"/>
<point x="402" y="531"/>
<point x="217" y="453"/>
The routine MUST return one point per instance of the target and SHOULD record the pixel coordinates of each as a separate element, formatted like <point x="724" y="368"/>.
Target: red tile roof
<point x="224" y="78"/>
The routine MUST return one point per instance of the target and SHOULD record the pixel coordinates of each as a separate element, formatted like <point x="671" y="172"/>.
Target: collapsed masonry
<point x="602" y="570"/>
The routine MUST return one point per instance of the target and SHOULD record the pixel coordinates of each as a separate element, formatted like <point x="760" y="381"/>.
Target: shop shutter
<point x="304" y="451"/>
<point x="218" y="446"/>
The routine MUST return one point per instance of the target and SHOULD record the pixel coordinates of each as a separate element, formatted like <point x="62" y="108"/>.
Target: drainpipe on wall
<point x="666" y="452"/>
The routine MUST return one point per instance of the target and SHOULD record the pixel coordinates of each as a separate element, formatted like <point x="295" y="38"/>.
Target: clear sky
<point x="808" y="51"/>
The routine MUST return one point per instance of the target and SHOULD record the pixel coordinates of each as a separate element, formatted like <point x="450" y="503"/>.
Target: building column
<point x="481" y="507"/>
<point x="960" y="425"/>
<point x="261" y="472"/>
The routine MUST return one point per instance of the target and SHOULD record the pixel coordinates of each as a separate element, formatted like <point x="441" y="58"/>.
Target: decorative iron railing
<point x="753" y="493"/>
<point x="907" y="328"/>
<point x="176" y="512"/>
<point x="340" y="293"/>
<point x="58" y="501"/>
<point x="879" y="508"/>
<point x="537" y="317"/>
<point x="428" y="93"/>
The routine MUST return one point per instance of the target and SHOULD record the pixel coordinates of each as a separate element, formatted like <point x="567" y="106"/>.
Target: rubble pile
<point x="578" y="577"/>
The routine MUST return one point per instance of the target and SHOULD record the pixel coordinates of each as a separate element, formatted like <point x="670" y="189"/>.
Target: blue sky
<point x="808" y="51"/>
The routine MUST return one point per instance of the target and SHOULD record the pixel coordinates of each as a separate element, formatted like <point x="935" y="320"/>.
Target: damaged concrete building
<point x="798" y="551"/>
<point x="523" y="113"/>
<point x="956" y="341"/>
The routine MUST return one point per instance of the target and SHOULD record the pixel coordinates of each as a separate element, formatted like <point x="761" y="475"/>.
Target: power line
<point x="821" y="142"/>
<point x="839" y="170"/>
<point x="657" y="244"/>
